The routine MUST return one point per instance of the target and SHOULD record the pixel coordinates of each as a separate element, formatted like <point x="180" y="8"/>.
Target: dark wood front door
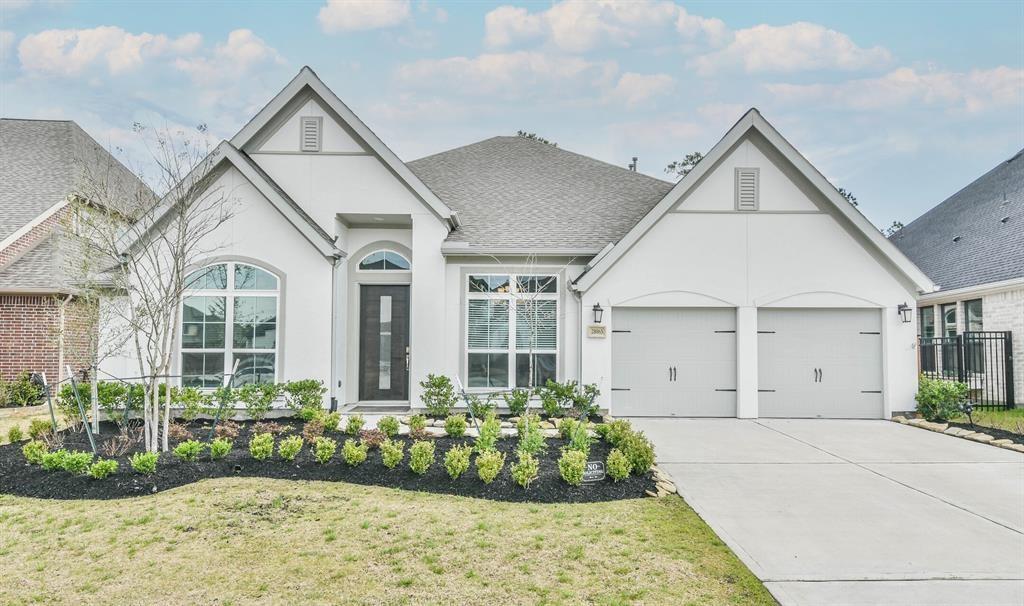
<point x="384" y="343"/>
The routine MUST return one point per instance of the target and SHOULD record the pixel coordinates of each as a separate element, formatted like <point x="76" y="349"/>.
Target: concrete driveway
<point x="854" y="512"/>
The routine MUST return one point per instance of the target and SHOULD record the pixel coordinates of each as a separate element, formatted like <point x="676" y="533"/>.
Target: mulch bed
<point x="17" y="477"/>
<point x="999" y="434"/>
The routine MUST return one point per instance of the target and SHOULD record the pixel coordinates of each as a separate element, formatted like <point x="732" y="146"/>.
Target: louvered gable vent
<point x="311" y="126"/>
<point x="747" y="194"/>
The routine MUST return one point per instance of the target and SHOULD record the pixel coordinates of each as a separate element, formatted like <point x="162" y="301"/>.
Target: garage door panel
<point x="674" y="362"/>
<point x="819" y="363"/>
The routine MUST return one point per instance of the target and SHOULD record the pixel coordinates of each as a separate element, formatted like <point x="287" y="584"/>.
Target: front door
<point x="384" y="343"/>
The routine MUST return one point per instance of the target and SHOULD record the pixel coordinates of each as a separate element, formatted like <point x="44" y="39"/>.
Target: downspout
<point x="335" y="265"/>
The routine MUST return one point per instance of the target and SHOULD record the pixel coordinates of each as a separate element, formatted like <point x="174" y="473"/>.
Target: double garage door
<point x="682" y="362"/>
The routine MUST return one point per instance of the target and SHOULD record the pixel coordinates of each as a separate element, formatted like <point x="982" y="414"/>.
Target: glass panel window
<point x="494" y="284"/>
<point x="949" y="320"/>
<point x="536" y="324"/>
<point x="488" y="324"/>
<point x="223" y="320"/>
<point x="928" y="322"/>
<point x="537" y="284"/>
<point x="384" y="370"/>
<point x="248" y="277"/>
<point x="488" y="370"/>
<point x="543" y="369"/>
<point x="386" y="260"/>
<point x="972" y="315"/>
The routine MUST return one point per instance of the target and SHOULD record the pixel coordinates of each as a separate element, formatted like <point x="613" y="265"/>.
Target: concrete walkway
<point x="855" y="512"/>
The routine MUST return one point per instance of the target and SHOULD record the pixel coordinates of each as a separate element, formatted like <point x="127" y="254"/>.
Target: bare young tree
<point x="138" y="248"/>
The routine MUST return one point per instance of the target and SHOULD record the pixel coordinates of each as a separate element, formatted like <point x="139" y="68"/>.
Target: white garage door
<point x="673" y="362"/>
<point x="823" y="363"/>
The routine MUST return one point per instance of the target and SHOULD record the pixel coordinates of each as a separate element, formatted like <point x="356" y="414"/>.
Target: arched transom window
<point x="384" y="260"/>
<point x="229" y="313"/>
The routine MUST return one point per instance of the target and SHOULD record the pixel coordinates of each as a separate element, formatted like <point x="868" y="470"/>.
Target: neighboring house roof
<point x="42" y="163"/>
<point x="753" y="120"/>
<point x="518" y="193"/>
<point x="308" y="78"/>
<point x="963" y="241"/>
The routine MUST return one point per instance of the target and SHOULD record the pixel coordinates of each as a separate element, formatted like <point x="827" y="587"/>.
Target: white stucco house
<point x="750" y="288"/>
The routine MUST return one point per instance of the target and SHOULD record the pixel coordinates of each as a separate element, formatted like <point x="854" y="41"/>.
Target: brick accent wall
<point x="1005" y="311"/>
<point x="15" y="249"/>
<point x="30" y="331"/>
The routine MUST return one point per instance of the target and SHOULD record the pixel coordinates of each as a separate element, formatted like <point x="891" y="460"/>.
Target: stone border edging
<point x="959" y="432"/>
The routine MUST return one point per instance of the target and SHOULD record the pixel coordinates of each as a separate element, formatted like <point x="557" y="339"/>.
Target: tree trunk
<point x="167" y="407"/>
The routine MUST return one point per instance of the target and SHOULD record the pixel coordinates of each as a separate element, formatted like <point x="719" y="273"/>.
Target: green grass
<point x="246" y="540"/>
<point x="1007" y="420"/>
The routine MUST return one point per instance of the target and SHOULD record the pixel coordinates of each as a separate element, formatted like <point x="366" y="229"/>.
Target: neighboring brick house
<point x="42" y="325"/>
<point x="972" y="247"/>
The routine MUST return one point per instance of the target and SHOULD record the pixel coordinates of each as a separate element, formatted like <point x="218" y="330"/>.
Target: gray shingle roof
<point x="987" y="250"/>
<point x="518" y="193"/>
<point x="41" y="163"/>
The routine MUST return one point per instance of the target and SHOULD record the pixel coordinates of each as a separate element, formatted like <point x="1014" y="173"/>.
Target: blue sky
<point x="901" y="103"/>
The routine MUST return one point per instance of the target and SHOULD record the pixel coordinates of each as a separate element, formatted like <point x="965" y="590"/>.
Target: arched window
<point x="384" y="260"/>
<point x="229" y="314"/>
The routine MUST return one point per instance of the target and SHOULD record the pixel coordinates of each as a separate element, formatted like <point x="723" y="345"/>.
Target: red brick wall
<point x="30" y="331"/>
<point x="15" y="249"/>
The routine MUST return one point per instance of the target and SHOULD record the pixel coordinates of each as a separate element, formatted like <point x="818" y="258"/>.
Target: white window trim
<point x="383" y="271"/>
<point x="512" y="296"/>
<point x="229" y="293"/>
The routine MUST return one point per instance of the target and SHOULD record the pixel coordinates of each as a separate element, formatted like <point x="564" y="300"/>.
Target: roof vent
<point x="632" y="165"/>
<point x="1004" y="220"/>
<point x="956" y="239"/>
<point x="311" y="133"/>
<point x="747" y="195"/>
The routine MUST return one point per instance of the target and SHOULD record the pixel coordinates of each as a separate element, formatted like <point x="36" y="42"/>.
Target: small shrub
<point x="418" y="427"/>
<point x="533" y="442"/>
<point x="290" y="447"/>
<point x="144" y="462"/>
<point x="517" y="400"/>
<point x="123" y="442"/>
<point x="527" y="423"/>
<point x="455" y="425"/>
<point x="189" y="450"/>
<point x="571" y="466"/>
<point x="354" y="425"/>
<point x="438" y="395"/>
<point x="456" y="460"/>
<point x="489" y="464"/>
<point x="53" y="461"/>
<point x="102" y="468"/>
<point x="227" y="429"/>
<point x="525" y="471"/>
<point x="194" y="403"/>
<point x="313" y="430"/>
<point x="567" y="427"/>
<point x="392" y="452"/>
<point x="178" y="432"/>
<point x="579" y="438"/>
<point x="270" y="427"/>
<point x="39" y="428"/>
<point x="480" y="407"/>
<point x="219" y="448"/>
<point x="556" y="397"/>
<point x="614" y="432"/>
<point x="331" y="420"/>
<point x="582" y="399"/>
<point x="617" y="466"/>
<point x="258" y="398"/>
<point x="261" y="446"/>
<point x="15" y="434"/>
<point x="34" y="451"/>
<point x="421" y="456"/>
<point x="323" y="449"/>
<point x="939" y="400"/>
<point x="372" y="437"/>
<point x="490" y="431"/>
<point x="76" y="462"/>
<point x="354" y="453"/>
<point x="389" y="426"/>
<point x="639" y="451"/>
<point x="21" y="391"/>
<point x="305" y="397"/>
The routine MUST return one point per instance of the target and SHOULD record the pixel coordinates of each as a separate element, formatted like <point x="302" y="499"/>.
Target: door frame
<point x="360" y="361"/>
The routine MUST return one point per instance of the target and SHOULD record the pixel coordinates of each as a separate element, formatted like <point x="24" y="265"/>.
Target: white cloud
<point x="633" y="89"/>
<point x="582" y="25"/>
<point x="354" y="15"/>
<point x="974" y="91"/>
<point x="789" y="48"/>
<point x="233" y="59"/>
<point x="70" y="52"/>
<point x="510" y="75"/>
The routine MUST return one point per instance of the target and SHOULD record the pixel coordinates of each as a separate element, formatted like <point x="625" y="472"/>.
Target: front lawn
<point x="1011" y="420"/>
<point x="245" y="540"/>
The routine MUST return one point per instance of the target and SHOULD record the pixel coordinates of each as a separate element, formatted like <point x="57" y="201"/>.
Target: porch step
<point x="372" y="409"/>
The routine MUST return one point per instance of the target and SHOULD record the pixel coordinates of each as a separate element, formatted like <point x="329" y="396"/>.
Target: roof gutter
<point x="977" y="289"/>
<point x="456" y="249"/>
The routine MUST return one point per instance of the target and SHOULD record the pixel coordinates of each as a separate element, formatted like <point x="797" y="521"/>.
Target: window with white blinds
<point x="511" y="330"/>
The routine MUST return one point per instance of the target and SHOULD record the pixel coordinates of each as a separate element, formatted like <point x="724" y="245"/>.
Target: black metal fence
<point x="982" y="360"/>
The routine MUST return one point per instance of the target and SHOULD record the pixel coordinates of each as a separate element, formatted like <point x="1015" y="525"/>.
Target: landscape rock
<point x="915" y="421"/>
<point x="939" y="427"/>
<point x="1015" y="447"/>
<point x="980" y="437"/>
<point x="546" y="425"/>
<point x="651" y="493"/>
<point x="900" y="419"/>
<point x="1001" y="442"/>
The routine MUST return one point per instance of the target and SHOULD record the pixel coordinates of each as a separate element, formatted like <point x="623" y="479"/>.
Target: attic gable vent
<point x="747" y="186"/>
<point x="311" y="133"/>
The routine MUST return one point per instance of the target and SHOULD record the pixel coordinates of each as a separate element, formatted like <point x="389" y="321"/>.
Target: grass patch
<point x="242" y="540"/>
<point x="1011" y="420"/>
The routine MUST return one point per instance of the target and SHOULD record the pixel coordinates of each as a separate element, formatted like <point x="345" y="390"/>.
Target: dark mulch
<point x="19" y="478"/>
<point x="999" y="434"/>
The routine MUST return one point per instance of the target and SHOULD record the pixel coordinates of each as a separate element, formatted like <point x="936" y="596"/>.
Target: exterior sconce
<point x="598" y="313"/>
<point x="904" y="311"/>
